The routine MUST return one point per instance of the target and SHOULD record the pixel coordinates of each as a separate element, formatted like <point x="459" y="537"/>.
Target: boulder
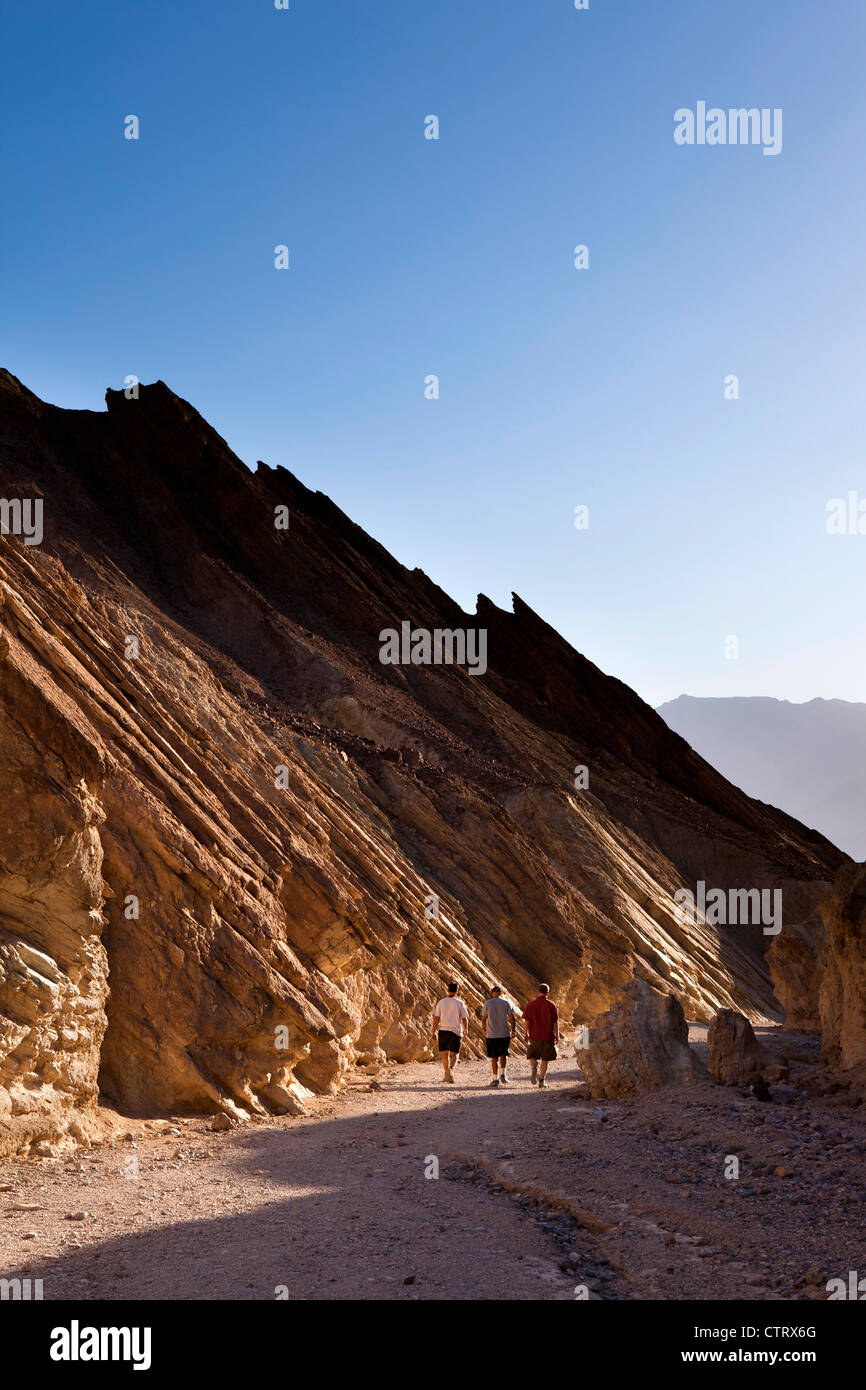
<point x="641" y="1044"/>
<point x="735" y="1055"/>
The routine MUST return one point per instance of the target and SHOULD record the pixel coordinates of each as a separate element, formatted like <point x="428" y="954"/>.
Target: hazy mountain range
<point x="808" y="759"/>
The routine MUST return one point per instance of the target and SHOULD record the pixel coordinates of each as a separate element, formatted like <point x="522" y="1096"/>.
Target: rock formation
<point x="640" y="1044"/>
<point x="240" y="853"/>
<point x="735" y="1055"/>
<point x="843" y="970"/>
<point x="794" y="959"/>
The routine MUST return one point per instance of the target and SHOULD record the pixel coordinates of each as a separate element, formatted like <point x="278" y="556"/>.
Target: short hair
<point x="452" y="987"/>
<point x="496" y="989"/>
<point x="544" y="989"/>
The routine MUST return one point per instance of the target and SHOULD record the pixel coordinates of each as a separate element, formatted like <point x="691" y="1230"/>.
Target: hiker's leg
<point x="542" y="1069"/>
<point x="493" y="1066"/>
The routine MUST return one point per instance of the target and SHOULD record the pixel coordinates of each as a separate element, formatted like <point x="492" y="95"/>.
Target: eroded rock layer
<point x="239" y="853"/>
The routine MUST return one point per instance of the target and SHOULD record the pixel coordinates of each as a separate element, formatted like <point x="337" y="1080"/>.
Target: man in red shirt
<point x="542" y="1029"/>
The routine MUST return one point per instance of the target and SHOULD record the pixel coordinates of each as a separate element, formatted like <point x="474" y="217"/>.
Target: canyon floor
<point x="540" y="1195"/>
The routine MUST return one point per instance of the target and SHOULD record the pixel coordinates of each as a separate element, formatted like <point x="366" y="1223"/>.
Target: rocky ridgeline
<point x="239" y="853"/>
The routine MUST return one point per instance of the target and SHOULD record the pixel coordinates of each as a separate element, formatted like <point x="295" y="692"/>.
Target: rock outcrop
<point x="735" y="1055"/>
<point x="640" y="1044"/>
<point x="843" y="970"/>
<point x="240" y="853"/>
<point x="794" y="959"/>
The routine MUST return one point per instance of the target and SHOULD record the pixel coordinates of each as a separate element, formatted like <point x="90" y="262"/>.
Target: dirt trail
<point x="539" y="1195"/>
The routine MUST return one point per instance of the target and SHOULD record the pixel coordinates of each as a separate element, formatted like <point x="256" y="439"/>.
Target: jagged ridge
<point x="263" y="908"/>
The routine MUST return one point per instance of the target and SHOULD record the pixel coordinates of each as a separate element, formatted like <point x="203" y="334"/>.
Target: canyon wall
<point x="240" y="853"/>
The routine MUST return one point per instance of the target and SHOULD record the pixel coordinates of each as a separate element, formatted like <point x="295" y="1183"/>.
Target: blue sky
<point x="410" y="257"/>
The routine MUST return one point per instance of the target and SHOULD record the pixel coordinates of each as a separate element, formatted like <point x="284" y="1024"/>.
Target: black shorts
<point x="497" y="1047"/>
<point x="448" y="1042"/>
<point x="541" y="1052"/>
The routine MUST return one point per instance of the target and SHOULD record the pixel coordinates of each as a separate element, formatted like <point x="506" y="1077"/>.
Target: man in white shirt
<point x="449" y="1018"/>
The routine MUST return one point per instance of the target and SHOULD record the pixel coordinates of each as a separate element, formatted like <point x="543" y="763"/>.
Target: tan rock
<point x="641" y="1044"/>
<point x="53" y="966"/>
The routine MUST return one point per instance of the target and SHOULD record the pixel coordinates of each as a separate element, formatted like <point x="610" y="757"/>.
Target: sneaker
<point x="541" y="1085"/>
<point x="449" y="1077"/>
<point x="494" y="1082"/>
<point x="503" y="1079"/>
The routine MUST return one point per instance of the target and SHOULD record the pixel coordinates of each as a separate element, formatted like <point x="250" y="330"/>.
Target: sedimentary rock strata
<point x="239" y="851"/>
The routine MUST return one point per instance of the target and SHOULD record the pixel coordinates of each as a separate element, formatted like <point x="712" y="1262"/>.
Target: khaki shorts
<point x="541" y="1052"/>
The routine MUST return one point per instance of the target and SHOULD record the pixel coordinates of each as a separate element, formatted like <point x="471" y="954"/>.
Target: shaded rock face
<point x="640" y="1044"/>
<point x="794" y="959"/>
<point x="735" y="1055"/>
<point x="241" y="853"/>
<point x="842" y="999"/>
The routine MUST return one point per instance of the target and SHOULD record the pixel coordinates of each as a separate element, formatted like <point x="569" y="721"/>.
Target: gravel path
<point x="540" y="1195"/>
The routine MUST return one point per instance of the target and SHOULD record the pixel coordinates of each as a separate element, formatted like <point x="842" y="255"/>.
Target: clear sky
<point x="559" y="387"/>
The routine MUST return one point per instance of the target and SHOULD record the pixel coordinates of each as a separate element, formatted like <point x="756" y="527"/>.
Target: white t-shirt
<point x="451" y="1013"/>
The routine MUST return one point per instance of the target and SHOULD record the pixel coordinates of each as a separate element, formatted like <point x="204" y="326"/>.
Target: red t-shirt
<point x="541" y="1019"/>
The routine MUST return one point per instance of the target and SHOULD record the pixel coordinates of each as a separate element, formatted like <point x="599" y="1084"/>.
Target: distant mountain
<point x="808" y="759"/>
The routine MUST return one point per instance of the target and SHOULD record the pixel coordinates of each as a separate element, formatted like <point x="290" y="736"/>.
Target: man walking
<point x="542" y="1029"/>
<point x="449" y="1016"/>
<point x="501" y="1019"/>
